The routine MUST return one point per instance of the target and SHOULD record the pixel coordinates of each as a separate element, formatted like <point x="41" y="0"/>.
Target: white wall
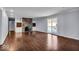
<point x="68" y="24"/>
<point x="4" y="26"/>
<point x="0" y="23"/>
<point x="41" y="24"/>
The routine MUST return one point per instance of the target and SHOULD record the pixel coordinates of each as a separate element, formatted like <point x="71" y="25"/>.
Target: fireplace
<point x="26" y="24"/>
<point x="26" y="29"/>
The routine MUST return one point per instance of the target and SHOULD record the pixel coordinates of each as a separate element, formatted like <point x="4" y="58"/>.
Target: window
<point x="49" y="25"/>
<point x="52" y="25"/>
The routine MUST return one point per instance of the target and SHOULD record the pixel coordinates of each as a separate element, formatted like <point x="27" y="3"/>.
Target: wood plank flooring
<point x="38" y="41"/>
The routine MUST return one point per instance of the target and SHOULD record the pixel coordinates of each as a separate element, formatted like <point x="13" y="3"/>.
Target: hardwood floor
<point x="38" y="41"/>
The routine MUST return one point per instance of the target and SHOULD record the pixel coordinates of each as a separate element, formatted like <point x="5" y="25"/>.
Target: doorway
<point x="11" y="25"/>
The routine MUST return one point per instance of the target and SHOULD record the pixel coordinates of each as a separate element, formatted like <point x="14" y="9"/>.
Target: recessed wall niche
<point x="19" y="24"/>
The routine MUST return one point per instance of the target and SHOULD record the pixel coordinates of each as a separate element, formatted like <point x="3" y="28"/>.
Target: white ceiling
<point x="31" y="12"/>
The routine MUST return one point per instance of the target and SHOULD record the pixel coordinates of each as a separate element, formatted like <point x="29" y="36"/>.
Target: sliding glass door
<point x="49" y="25"/>
<point x="52" y="25"/>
